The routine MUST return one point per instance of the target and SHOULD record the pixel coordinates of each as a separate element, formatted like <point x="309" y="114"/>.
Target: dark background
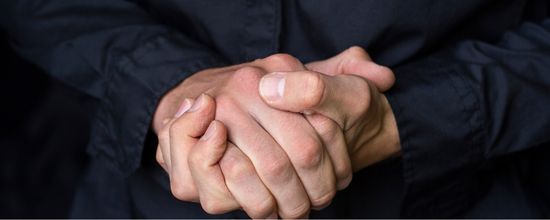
<point x="45" y="128"/>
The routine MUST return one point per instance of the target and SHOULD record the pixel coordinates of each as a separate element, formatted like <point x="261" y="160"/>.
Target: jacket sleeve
<point x="461" y="109"/>
<point x="112" y="50"/>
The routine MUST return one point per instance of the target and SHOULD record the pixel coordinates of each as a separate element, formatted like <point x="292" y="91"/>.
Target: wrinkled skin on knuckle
<point x="324" y="126"/>
<point x="277" y="169"/>
<point x="215" y="206"/>
<point x="323" y="200"/>
<point x="344" y="173"/>
<point x="236" y="168"/>
<point x="281" y="62"/>
<point x="296" y="212"/>
<point x="310" y="154"/>
<point x="262" y="209"/>
<point x="328" y="130"/>
<point x="246" y="78"/>
<point x="180" y="191"/>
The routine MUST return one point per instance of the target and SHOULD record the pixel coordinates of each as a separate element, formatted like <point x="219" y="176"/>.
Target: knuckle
<point x="324" y="126"/>
<point x="282" y="62"/>
<point x="344" y="181"/>
<point x="356" y="52"/>
<point x="247" y="74"/>
<point x="181" y="192"/>
<point x="297" y="212"/>
<point x="245" y="80"/>
<point x="214" y="206"/>
<point x="323" y="200"/>
<point x="262" y="209"/>
<point x="343" y="172"/>
<point x="314" y="87"/>
<point x="310" y="154"/>
<point x="236" y="168"/>
<point x="278" y="169"/>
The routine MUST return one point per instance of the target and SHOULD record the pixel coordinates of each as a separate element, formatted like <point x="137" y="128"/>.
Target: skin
<point x="260" y="161"/>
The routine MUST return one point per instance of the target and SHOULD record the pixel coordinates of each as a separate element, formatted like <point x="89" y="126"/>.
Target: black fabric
<point x="45" y="128"/>
<point x="470" y="98"/>
<point x="478" y="104"/>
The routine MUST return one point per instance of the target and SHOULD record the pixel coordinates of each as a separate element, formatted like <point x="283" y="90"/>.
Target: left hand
<point x="345" y="91"/>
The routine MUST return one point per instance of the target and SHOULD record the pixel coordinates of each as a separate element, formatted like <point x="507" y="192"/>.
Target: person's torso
<point x="392" y="31"/>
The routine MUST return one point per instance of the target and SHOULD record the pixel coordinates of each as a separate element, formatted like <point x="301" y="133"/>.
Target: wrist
<point x="383" y="145"/>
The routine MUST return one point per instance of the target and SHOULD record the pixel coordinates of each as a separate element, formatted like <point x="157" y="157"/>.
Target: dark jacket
<point x="471" y="97"/>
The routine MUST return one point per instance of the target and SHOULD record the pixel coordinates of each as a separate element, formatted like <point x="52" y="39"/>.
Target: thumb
<point x="341" y="97"/>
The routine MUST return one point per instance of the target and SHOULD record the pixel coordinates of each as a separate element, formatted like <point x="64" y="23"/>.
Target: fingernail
<point x="209" y="132"/>
<point x="272" y="86"/>
<point x="198" y="104"/>
<point x="183" y="108"/>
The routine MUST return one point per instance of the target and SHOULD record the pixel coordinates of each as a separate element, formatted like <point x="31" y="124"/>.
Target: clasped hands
<point x="275" y="137"/>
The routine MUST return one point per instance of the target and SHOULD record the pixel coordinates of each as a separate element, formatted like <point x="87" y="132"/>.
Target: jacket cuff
<point x="138" y="80"/>
<point x="440" y="128"/>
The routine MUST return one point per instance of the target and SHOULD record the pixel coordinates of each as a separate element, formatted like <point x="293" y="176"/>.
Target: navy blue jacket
<point x="471" y="99"/>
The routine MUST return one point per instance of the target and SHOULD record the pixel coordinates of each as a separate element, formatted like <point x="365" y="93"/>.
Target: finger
<point x="163" y="149"/>
<point x="334" y="141"/>
<point x="342" y="98"/>
<point x="184" y="132"/>
<point x="294" y="150"/>
<point x="245" y="185"/>
<point x="333" y="65"/>
<point x="356" y="61"/>
<point x="330" y="135"/>
<point x="280" y="63"/>
<point x="304" y="149"/>
<point x="204" y="158"/>
<point x="270" y="161"/>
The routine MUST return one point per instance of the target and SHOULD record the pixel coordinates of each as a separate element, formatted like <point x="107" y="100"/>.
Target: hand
<point x="206" y="158"/>
<point x="333" y="101"/>
<point x="290" y="171"/>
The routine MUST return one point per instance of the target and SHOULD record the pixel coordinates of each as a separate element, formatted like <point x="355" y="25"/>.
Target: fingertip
<point x="388" y="79"/>
<point x="216" y="129"/>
